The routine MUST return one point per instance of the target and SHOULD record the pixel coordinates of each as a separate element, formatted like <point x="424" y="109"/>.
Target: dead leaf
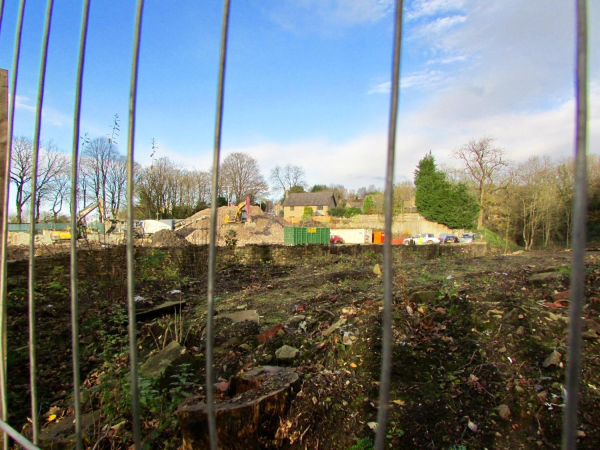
<point x="399" y="402"/>
<point x="472" y="427"/>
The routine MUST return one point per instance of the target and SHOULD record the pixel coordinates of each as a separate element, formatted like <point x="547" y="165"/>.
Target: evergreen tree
<point x="438" y="200"/>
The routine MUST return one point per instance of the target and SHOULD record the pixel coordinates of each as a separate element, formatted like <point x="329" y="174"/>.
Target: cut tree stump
<point x="248" y="413"/>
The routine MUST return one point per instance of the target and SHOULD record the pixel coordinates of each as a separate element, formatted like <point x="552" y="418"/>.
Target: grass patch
<point x="496" y="240"/>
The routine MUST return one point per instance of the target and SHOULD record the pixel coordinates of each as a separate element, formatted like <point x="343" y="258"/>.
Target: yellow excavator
<point x="240" y="216"/>
<point x="81" y="226"/>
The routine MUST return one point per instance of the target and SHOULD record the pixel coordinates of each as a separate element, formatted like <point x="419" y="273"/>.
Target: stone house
<point x="320" y="202"/>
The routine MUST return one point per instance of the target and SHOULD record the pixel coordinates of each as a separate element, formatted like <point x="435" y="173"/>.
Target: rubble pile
<point x="263" y="228"/>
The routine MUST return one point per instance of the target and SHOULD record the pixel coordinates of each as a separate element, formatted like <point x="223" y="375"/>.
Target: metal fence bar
<point x="32" y="219"/>
<point x="18" y="438"/>
<point x="212" y="249"/>
<point x="386" y="352"/>
<point x="1" y="14"/>
<point x="569" y="437"/>
<point x="4" y="237"/>
<point x="133" y="357"/>
<point x="74" y="266"/>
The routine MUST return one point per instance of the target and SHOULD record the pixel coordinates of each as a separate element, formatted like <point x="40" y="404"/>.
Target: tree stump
<point x="248" y="412"/>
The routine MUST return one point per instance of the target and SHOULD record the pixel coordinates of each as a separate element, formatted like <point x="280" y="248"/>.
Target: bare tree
<point x="486" y="167"/>
<point x="20" y="171"/>
<point x="51" y="164"/>
<point x="285" y="178"/>
<point x="241" y="173"/>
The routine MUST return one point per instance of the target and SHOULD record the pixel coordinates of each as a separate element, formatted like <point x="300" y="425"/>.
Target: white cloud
<point x="301" y="15"/>
<point x="49" y="115"/>
<point x="438" y="26"/>
<point x="417" y="80"/>
<point x="424" y="8"/>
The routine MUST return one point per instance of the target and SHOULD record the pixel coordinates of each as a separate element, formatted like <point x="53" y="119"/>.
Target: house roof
<point x="355" y="203"/>
<point x="311" y="199"/>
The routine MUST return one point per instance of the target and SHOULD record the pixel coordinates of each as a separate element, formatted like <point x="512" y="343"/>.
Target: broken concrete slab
<point x="241" y="316"/>
<point x="160" y="310"/>
<point x="541" y="278"/>
<point x="63" y="432"/>
<point x="170" y="356"/>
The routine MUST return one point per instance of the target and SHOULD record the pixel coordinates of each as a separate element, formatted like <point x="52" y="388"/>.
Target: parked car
<point x="443" y="237"/>
<point x="468" y="237"/>
<point x="335" y="239"/>
<point x="422" y="239"/>
<point x="451" y="239"/>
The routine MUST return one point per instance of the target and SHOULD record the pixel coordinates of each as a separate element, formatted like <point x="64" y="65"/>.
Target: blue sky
<point x="308" y="80"/>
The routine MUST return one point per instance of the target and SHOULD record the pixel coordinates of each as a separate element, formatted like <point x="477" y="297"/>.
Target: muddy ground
<point x="478" y="357"/>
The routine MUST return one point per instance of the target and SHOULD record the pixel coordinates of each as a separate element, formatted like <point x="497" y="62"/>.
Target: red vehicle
<point x="335" y="239"/>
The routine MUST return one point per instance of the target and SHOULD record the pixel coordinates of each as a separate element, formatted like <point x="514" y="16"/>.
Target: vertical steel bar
<point x="4" y="237"/>
<point x="1" y="14"/>
<point x="212" y="249"/>
<point x="386" y="352"/>
<point x="74" y="197"/>
<point x="135" y="401"/>
<point x="569" y="440"/>
<point x="32" y="220"/>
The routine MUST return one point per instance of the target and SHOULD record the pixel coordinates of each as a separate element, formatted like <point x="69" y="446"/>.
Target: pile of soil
<point x="263" y="228"/>
<point x="168" y="238"/>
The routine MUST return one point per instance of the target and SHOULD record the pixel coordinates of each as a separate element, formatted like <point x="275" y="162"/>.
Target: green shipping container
<point x="301" y="236"/>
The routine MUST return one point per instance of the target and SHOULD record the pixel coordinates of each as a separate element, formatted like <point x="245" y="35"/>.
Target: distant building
<point x="355" y="204"/>
<point x="320" y="202"/>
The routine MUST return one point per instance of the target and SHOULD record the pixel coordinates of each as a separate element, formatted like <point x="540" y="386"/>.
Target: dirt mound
<point x="263" y="228"/>
<point x="168" y="238"/>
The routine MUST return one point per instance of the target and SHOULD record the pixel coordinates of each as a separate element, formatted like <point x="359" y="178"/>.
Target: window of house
<point x="320" y="208"/>
<point x="291" y="208"/>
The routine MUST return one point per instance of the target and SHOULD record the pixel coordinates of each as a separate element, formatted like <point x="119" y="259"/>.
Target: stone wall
<point x="173" y="263"/>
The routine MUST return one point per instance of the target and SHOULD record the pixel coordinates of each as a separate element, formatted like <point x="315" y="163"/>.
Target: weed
<point x="394" y="431"/>
<point x="365" y="443"/>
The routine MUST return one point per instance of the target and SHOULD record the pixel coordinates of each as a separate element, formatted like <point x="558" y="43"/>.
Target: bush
<point x="352" y="211"/>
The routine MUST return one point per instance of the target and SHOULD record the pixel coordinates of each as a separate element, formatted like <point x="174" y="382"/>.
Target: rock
<point x="520" y="331"/>
<point x="241" y="316"/>
<point x="59" y="433"/>
<point x="233" y="342"/>
<point x="589" y="334"/>
<point x="266" y="335"/>
<point x="377" y="270"/>
<point x="257" y="402"/>
<point x="504" y="411"/>
<point x="422" y="297"/>
<point x="541" y="278"/>
<point x="553" y="359"/>
<point x="286" y="353"/>
<point x="160" y="310"/>
<point x="296" y="319"/>
<point x="246" y="347"/>
<point x="334" y="327"/>
<point x="174" y="355"/>
<point x="511" y="316"/>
